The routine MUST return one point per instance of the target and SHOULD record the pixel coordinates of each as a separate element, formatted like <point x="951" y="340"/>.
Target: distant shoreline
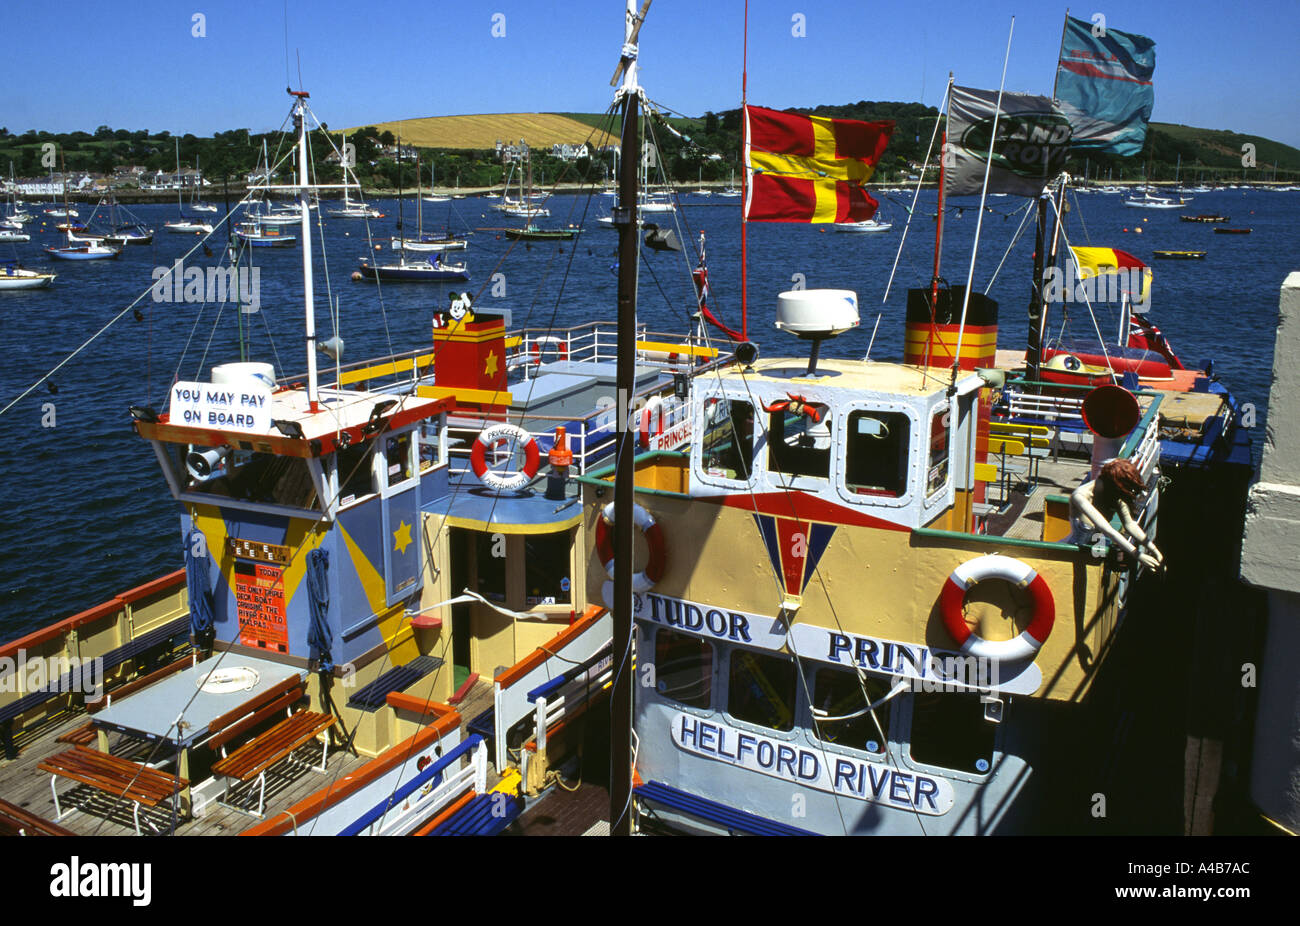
<point x="136" y="197"/>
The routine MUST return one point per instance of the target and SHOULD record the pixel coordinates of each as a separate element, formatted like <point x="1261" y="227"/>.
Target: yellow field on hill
<point x="540" y="130"/>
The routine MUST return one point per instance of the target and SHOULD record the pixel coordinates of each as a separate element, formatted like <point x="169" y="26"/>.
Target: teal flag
<point x="1103" y="84"/>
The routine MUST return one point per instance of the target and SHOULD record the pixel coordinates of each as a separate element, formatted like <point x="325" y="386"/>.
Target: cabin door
<point x="403" y="531"/>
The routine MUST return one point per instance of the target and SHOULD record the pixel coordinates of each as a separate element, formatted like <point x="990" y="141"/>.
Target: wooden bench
<point x="254" y="758"/>
<point x="15" y="821"/>
<point x="118" y="777"/>
<point x="83" y="735"/>
<point x="254" y="713"/>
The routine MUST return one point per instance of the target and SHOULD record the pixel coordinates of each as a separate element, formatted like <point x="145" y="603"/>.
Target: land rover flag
<point x="1032" y="141"/>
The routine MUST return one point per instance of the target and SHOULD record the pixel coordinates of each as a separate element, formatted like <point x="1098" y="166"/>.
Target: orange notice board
<point x="259" y="600"/>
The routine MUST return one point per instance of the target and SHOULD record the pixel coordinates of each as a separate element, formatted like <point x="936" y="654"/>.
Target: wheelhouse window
<point x="761" y="689"/>
<point x="875" y="460"/>
<point x="949" y="730"/>
<point x="355" y="478"/>
<point x="397" y="458"/>
<point x="728" y="442"/>
<point x="937" y="465"/>
<point x="546" y="569"/>
<point x="244" y="476"/>
<point x="843" y="698"/>
<point x="799" y="442"/>
<point x="683" y="667"/>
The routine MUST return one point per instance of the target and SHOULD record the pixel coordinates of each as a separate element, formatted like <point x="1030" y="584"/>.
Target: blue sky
<point x="137" y="65"/>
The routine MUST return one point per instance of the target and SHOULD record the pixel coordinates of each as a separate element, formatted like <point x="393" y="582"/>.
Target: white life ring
<point x="644" y="580"/>
<point x="503" y="482"/>
<point x="995" y="566"/>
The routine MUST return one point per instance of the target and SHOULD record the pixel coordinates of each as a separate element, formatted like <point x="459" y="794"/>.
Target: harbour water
<point x="85" y="509"/>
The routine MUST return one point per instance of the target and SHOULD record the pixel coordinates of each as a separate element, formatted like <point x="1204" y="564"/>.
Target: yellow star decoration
<point x="490" y="367"/>
<point x="402" y="537"/>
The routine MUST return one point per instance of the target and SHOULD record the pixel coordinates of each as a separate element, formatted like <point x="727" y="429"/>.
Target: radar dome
<point x="815" y="314"/>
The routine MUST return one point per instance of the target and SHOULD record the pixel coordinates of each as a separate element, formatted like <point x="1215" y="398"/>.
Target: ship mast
<point x="308" y="297"/>
<point x="625" y="219"/>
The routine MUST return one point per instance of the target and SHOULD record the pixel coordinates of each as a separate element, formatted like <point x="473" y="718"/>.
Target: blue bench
<point x="373" y="696"/>
<point x="729" y="818"/>
<point x="71" y="681"/>
<point x="485" y="725"/>
<point x="486" y="815"/>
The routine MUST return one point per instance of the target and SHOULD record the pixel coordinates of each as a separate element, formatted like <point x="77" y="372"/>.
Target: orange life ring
<point x="995" y="566"/>
<point x="493" y="435"/>
<point x="644" y="580"/>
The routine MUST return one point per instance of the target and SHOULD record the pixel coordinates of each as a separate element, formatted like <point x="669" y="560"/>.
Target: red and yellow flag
<point x="809" y="168"/>
<point x="1102" y="261"/>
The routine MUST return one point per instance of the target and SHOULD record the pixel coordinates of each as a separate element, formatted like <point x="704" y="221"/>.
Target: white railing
<point x="1047" y="407"/>
<point x="511" y="703"/>
<point x="434" y="798"/>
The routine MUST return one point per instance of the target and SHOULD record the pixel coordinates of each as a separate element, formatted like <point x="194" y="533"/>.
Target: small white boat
<point x="1155" y="202"/>
<point x="9" y="234"/>
<point x="12" y="277"/>
<point x="357" y="211"/>
<point x="428" y="245"/>
<point x="869" y="225"/>
<point x="188" y="227"/>
<point x="57" y="213"/>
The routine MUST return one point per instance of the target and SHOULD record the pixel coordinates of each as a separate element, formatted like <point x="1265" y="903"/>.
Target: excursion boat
<point x="1179" y="255"/>
<point x="1203" y="218"/>
<point x="382" y="625"/>
<point x="872" y="597"/>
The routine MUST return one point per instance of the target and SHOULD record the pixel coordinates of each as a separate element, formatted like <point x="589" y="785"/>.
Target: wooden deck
<point x="23" y="784"/>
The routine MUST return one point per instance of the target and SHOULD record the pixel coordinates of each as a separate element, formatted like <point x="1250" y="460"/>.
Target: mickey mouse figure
<point x="459" y="311"/>
<point x="461" y="308"/>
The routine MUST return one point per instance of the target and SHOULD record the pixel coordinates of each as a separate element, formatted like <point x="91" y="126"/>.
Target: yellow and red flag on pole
<point x="809" y="168"/>
<point x="1103" y="261"/>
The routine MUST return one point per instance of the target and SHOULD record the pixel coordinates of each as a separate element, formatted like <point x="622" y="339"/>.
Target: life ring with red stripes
<point x="560" y="346"/>
<point x="490" y="437"/>
<point x="995" y="566"/>
<point x="644" y="580"/>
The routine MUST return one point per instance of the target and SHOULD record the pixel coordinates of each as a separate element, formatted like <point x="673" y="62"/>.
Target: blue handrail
<point x="433" y="772"/>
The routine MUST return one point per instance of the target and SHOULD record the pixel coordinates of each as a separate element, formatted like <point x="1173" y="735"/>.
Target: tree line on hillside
<point x="706" y="148"/>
